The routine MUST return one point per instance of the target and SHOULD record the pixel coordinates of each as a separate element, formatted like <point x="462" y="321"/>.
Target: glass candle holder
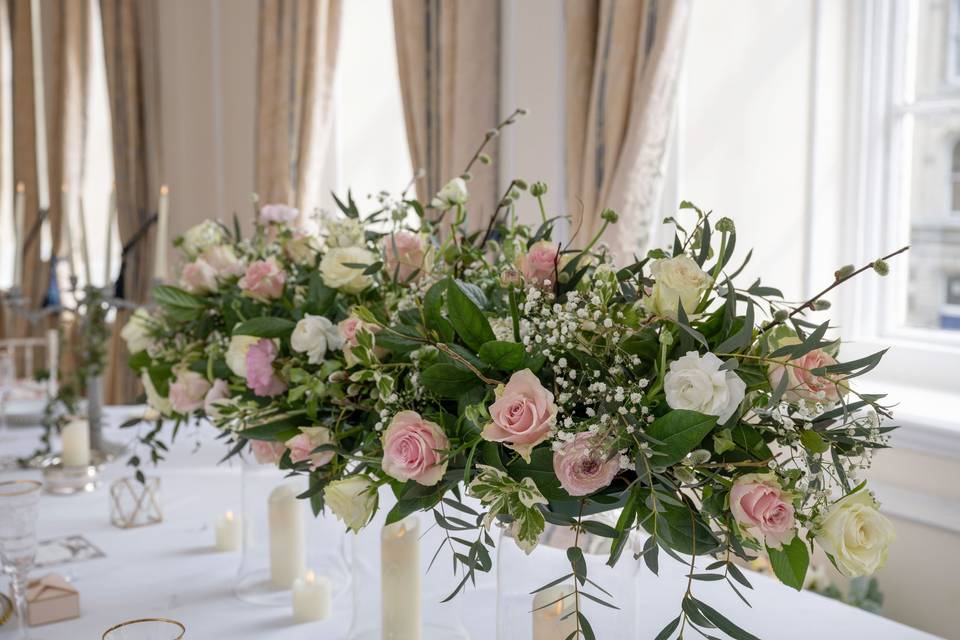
<point x="146" y="629"/>
<point x="134" y="503"/>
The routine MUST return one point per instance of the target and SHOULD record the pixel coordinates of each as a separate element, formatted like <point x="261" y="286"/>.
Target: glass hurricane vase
<point x="550" y="613"/>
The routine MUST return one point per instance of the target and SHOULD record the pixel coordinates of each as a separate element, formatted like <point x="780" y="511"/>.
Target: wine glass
<point x="146" y="629"/>
<point x="8" y="379"/>
<point x="19" y="502"/>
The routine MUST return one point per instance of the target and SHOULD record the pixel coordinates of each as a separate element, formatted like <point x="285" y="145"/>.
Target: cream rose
<point x="224" y="261"/>
<point x="198" y="277"/>
<point x="337" y="275"/>
<point x="301" y="446"/>
<point x="696" y="383"/>
<point x="676" y="279"/>
<point x="314" y="335"/>
<point x="855" y="534"/>
<point x="453" y="193"/>
<point x="236" y="355"/>
<point x="343" y="232"/>
<point x="197" y="238"/>
<point x="352" y="500"/>
<point x="136" y="332"/>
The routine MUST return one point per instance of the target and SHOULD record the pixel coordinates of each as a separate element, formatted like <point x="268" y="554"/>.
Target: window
<point x="955" y="179"/>
<point x="953" y="43"/>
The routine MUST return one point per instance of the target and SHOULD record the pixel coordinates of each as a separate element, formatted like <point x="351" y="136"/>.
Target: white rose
<point x="136" y="332"/>
<point x="678" y="278"/>
<point x="154" y="400"/>
<point x="453" y="193"/>
<point x="236" y="356"/>
<point x="855" y="534"/>
<point x="301" y="248"/>
<point x="337" y="275"/>
<point x="344" y="232"/>
<point x="314" y="335"/>
<point x="197" y="238"/>
<point x="224" y="260"/>
<point x="353" y="500"/>
<point x="696" y="383"/>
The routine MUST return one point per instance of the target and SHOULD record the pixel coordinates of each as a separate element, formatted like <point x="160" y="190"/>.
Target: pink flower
<point x="522" y="415"/>
<point x="187" y="392"/>
<point x="583" y="467"/>
<point x="278" y="213"/>
<point x="219" y="391"/>
<point x="198" y="277"/>
<point x="758" y="505"/>
<point x="350" y="326"/>
<point x="541" y="264"/>
<point x="267" y="452"/>
<point x="260" y="375"/>
<point x="263" y="280"/>
<point x="413" y="449"/>
<point x="302" y="446"/>
<point x="301" y="247"/>
<point x="406" y="253"/>
<point x="224" y="261"/>
<point x="804" y="385"/>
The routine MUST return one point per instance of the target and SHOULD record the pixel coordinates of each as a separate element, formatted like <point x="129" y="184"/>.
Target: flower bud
<point x="484" y="159"/>
<point x="609" y="215"/>
<point x="844" y="271"/>
<point x="780" y="315"/>
<point x="520" y="184"/>
<point x="666" y="338"/>
<point x="537" y="189"/>
<point x="563" y="277"/>
<point x="510" y="277"/>
<point x="725" y="225"/>
<point x="492" y="133"/>
<point x="821" y="305"/>
<point x="881" y="267"/>
<point x="522" y="112"/>
<point x="466" y="175"/>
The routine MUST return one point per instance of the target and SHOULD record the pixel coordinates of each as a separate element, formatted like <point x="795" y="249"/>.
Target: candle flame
<point x="229" y="515"/>
<point x="20" y="187"/>
<point x="63" y="187"/>
<point x="164" y="190"/>
<point x="311" y="577"/>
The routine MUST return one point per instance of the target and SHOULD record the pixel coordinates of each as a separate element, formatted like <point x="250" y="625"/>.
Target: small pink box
<point x="51" y="599"/>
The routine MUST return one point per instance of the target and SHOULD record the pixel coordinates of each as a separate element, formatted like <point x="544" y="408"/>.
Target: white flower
<point x="314" y="335"/>
<point x="352" y="499"/>
<point x="349" y="279"/>
<point x="236" y="356"/>
<point x="676" y="279"/>
<point x="198" y="277"/>
<point x="136" y="332"/>
<point x="197" y="238"/>
<point x="344" y="232"/>
<point x="154" y="400"/>
<point x="855" y="534"/>
<point x="278" y="213"/>
<point x="453" y="193"/>
<point x="696" y="383"/>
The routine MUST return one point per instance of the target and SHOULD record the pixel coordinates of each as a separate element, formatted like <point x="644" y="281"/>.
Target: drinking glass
<point x="146" y="629"/>
<point x="19" y="501"/>
<point x="8" y="378"/>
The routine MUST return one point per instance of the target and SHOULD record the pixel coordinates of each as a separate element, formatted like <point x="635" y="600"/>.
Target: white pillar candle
<point x="19" y="211"/>
<point x="311" y="598"/>
<point x="84" y="244"/>
<point x="229" y="532"/>
<point x="400" y="579"/>
<point x="549" y="608"/>
<point x="53" y="361"/>
<point x="287" y="536"/>
<point x="75" y="443"/>
<point x="111" y="221"/>
<point x="160" y="250"/>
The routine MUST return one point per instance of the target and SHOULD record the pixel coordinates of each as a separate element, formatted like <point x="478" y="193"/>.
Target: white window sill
<point x="929" y="420"/>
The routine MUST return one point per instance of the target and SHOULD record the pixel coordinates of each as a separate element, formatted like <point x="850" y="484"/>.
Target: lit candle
<point x="311" y="598"/>
<point x="400" y="579"/>
<point x="550" y="607"/>
<point x="19" y="208"/>
<point x="84" y="245"/>
<point x="111" y="221"/>
<point x="75" y="443"/>
<point x="163" y="213"/>
<point x="53" y="360"/>
<point x="287" y="536"/>
<point x="66" y="231"/>
<point x="229" y="532"/>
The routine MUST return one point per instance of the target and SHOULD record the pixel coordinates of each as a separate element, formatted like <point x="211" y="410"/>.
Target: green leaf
<point x="813" y="441"/>
<point x="540" y="470"/>
<point x="680" y="431"/>
<point x="276" y="431"/>
<point x="505" y="356"/>
<point x="448" y="380"/>
<point x="320" y="297"/>
<point x="432" y="312"/>
<point x="668" y="630"/>
<point x="266" y="327"/>
<point x="600" y="529"/>
<point x="179" y="304"/>
<point x="790" y="563"/>
<point x="722" y="622"/>
<point x="680" y="526"/>
<point x="467" y="319"/>
<point x="577" y="563"/>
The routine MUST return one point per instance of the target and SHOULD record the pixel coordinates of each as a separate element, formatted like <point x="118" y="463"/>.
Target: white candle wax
<point x="160" y="249"/>
<point x="39" y="106"/>
<point x="53" y="361"/>
<point x="66" y="231"/>
<point x="287" y="536"/>
<point x="400" y="579"/>
<point x="19" y="210"/>
<point x="85" y="245"/>
<point x="549" y="608"/>
<point x="75" y="443"/>
<point x="229" y="532"/>
<point x="311" y="598"/>
<point x="111" y="221"/>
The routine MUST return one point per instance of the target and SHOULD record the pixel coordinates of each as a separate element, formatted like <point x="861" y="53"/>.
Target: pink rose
<point x="198" y="277"/>
<point x="219" y="391"/>
<point x="758" y="505"/>
<point x="541" y="264"/>
<point x="224" y="261"/>
<point x="278" y="213"/>
<point x="406" y="253"/>
<point x="302" y="446"/>
<point x="267" y="452"/>
<point x="802" y="384"/>
<point x="187" y="392"/>
<point x="413" y="449"/>
<point x="583" y="467"/>
<point x="522" y="415"/>
<point x="260" y="375"/>
<point x="349" y="328"/>
<point x="263" y="280"/>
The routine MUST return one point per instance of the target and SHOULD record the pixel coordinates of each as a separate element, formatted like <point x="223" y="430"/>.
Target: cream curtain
<point x="448" y="54"/>
<point x="623" y="60"/>
<point x="130" y="47"/>
<point x="297" y="59"/>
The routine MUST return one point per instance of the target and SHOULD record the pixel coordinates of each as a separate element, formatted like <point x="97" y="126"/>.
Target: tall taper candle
<point x="288" y="556"/>
<point x="163" y="213"/>
<point x="108" y="252"/>
<point x="19" y="210"/>
<point x="66" y="231"/>
<point x="53" y="361"/>
<point x="400" y="579"/>
<point x="75" y="443"/>
<point x="39" y="107"/>
<point x="84" y="244"/>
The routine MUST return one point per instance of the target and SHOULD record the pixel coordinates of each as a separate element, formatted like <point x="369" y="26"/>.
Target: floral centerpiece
<point x="550" y="384"/>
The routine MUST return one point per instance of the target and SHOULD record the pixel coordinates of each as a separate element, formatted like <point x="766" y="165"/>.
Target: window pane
<point x="937" y="48"/>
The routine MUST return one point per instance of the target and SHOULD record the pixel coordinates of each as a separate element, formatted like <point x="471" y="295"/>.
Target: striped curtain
<point x="623" y="59"/>
<point x="448" y="54"/>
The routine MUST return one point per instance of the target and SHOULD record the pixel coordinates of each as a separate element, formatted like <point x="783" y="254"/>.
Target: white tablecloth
<point x="171" y="570"/>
